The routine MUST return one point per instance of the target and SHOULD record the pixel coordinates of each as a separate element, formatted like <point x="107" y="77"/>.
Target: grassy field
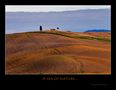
<point x="56" y="52"/>
<point x="75" y="36"/>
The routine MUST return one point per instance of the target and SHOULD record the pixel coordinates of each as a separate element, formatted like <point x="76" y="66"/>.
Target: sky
<point x="78" y="21"/>
<point x="48" y="8"/>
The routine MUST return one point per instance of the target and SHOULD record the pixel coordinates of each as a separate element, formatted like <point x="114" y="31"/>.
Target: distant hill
<point x="101" y="30"/>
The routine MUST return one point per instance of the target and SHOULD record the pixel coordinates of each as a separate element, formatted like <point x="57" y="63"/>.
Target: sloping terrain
<point x="57" y="53"/>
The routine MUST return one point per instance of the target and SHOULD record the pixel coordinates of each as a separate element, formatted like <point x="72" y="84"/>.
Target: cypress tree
<point x="41" y="28"/>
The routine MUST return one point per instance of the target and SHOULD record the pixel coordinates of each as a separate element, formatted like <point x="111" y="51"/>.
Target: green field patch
<point x="80" y="37"/>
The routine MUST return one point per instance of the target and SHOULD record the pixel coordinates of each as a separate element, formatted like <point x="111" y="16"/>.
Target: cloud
<point x="47" y="8"/>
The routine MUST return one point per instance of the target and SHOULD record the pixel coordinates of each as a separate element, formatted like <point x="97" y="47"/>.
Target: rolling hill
<point x="56" y="52"/>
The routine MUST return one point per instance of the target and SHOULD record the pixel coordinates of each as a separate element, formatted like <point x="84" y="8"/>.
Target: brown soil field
<point x="45" y="53"/>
